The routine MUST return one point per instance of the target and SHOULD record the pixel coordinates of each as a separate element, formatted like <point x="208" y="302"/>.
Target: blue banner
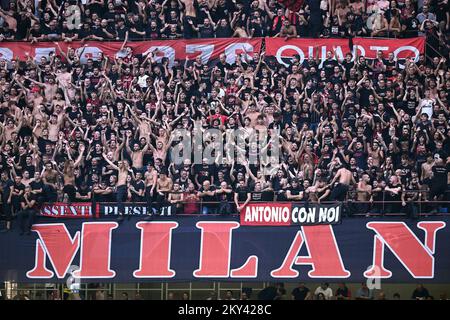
<point x="219" y="248"/>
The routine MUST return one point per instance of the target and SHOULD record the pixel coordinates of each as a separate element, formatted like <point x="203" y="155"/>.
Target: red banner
<point x="65" y="210"/>
<point x="402" y="48"/>
<point x="207" y="49"/>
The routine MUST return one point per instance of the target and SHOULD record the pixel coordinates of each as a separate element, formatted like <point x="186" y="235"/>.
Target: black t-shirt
<point x="420" y="293"/>
<point x="42" y="142"/>
<point x="300" y="293"/>
<point x="328" y="66"/>
<point x="242" y="194"/>
<point x="6" y="186"/>
<point x="223" y="32"/>
<point x="390" y="66"/>
<point x="36" y="185"/>
<point x="439" y="175"/>
<point x="405" y="172"/>
<point x="295" y="192"/>
<point x="204" y="172"/>
<point x="268" y="195"/>
<point x="18" y="187"/>
<point x="207" y="198"/>
<point x="30" y="198"/>
<point x="412" y="26"/>
<point x="153" y="34"/>
<point x="206" y="32"/>
<point x="257" y="196"/>
<point x="138" y="186"/>
<point x="84" y="192"/>
<point x="343" y="292"/>
<point x="121" y="32"/>
<point x="390" y="196"/>
<point x="409" y="106"/>
<point x="225" y="197"/>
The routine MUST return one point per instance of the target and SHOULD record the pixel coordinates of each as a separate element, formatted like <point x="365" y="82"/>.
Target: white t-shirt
<point x="427" y="107"/>
<point x="142" y="81"/>
<point x="328" y="293"/>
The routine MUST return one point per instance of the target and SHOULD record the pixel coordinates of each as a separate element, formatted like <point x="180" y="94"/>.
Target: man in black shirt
<point x="37" y="187"/>
<point x="137" y="189"/>
<point x="394" y="195"/>
<point x="343" y="292"/>
<point x="242" y="196"/>
<point x="17" y="190"/>
<point x="209" y="199"/>
<point x="28" y="212"/>
<point x="84" y="192"/>
<point x="204" y="172"/>
<point x="152" y="31"/>
<point x="122" y="29"/>
<point x="206" y="30"/>
<point x="329" y="64"/>
<point x="301" y="292"/>
<point x="257" y="194"/>
<point x="223" y="29"/>
<point x="225" y="197"/>
<point x="420" y="293"/>
<point x="439" y="180"/>
<point x="295" y="192"/>
<point x="5" y="188"/>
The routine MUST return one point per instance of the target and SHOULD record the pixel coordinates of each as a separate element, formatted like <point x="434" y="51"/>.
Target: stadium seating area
<point x="365" y="131"/>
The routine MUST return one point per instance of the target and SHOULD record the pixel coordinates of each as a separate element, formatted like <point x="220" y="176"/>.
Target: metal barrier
<point x="352" y="206"/>
<point x="424" y="206"/>
<point x="145" y="291"/>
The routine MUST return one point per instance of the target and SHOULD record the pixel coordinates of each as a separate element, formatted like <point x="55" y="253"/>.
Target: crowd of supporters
<point x="69" y="20"/>
<point x="364" y="130"/>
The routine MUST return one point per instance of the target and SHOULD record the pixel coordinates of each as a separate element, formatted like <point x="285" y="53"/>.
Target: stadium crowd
<point x="69" y="20"/>
<point x="360" y="129"/>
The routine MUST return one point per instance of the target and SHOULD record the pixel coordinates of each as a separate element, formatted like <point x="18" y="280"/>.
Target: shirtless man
<point x="137" y="154"/>
<point x="261" y="123"/>
<point x="49" y="177"/>
<point x="287" y="30"/>
<point x="143" y="124"/>
<point x="427" y="170"/>
<point x="115" y="149"/>
<point x="318" y="192"/>
<point x="189" y="8"/>
<point x="175" y="198"/>
<point x="161" y="149"/>
<point x="295" y="74"/>
<point x="34" y="96"/>
<point x="10" y="128"/>
<point x="364" y="194"/>
<point x="121" y="187"/>
<point x="163" y="187"/>
<point x="53" y="127"/>
<point x="40" y="130"/>
<point x="69" y="176"/>
<point x="151" y="178"/>
<point x="253" y="114"/>
<point x="346" y="178"/>
<point x="50" y="87"/>
<point x="190" y="16"/>
<point x="376" y="153"/>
